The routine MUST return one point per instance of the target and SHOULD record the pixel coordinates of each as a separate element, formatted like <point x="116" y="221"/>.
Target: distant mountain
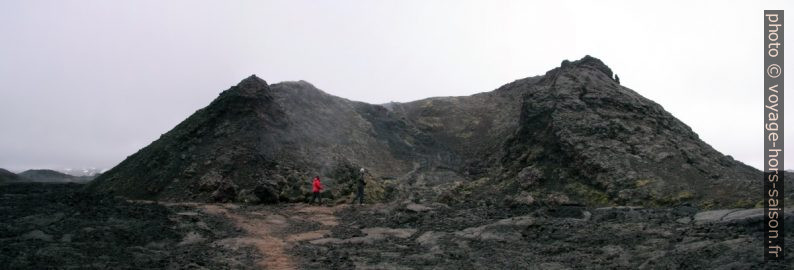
<point x="52" y="176"/>
<point x="7" y="176"/>
<point x="92" y="172"/>
<point x="574" y="134"/>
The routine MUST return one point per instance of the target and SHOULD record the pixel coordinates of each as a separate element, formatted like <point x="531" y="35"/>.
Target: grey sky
<point x="87" y="83"/>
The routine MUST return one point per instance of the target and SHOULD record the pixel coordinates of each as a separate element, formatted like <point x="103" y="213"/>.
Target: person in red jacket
<point x="317" y="186"/>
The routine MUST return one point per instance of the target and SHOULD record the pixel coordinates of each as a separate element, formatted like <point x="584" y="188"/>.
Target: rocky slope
<point x="571" y="135"/>
<point x="582" y="133"/>
<point x="260" y="142"/>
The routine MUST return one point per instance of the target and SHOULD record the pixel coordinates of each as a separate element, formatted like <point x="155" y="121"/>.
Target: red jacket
<point x="316" y="185"/>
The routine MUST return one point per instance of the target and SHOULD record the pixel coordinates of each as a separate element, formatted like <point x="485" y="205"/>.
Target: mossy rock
<point x="588" y="194"/>
<point x="743" y="203"/>
<point x="707" y="204"/>
<point x="374" y="191"/>
<point x="642" y="182"/>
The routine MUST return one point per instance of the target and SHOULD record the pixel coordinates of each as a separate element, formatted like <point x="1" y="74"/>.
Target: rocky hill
<point x="573" y="135"/>
<point x="261" y="142"/>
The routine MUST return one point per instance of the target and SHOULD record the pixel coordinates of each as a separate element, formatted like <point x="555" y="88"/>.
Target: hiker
<point x="360" y="184"/>
<point x="317" y="186"/>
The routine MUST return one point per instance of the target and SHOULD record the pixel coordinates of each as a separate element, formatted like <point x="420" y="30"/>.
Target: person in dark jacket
<point x="360" y="186"/>
<point x="317" y="186"/>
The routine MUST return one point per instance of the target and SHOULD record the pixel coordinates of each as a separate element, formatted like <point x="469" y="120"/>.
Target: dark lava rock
<point x="60" y="226"/>
<point x="557" y="237"/>
<point x="573" y="135"/>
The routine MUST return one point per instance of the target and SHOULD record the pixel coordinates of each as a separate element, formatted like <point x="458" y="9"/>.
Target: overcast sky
<point x="87" y="83"/>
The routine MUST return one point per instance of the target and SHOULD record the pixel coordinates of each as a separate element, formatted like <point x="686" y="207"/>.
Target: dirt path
<point x="265" y="229"/>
